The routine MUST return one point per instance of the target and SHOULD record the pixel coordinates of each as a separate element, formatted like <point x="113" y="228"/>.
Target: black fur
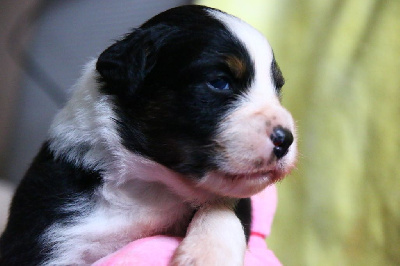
<point x="243" y="212"/>
<point x="48" y="185"/>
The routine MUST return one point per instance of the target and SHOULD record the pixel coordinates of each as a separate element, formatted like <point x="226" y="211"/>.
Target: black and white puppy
<point x="169" y="131"/>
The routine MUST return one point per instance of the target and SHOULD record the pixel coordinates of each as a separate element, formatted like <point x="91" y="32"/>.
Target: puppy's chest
<point x="121" y="215"/>
<point x="142" y="210"/>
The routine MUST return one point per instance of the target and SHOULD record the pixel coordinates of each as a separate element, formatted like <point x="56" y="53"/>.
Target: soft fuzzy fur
<point x="169" y="131"/>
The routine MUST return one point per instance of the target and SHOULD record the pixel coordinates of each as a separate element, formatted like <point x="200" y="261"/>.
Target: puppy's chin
<point x="239" y="185"/>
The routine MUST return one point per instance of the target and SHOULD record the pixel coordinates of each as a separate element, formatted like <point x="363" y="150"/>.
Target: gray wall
<point x="67" y="35"/>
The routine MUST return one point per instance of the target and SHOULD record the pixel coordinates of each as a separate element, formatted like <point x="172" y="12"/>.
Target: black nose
<point x="282" y="138"/>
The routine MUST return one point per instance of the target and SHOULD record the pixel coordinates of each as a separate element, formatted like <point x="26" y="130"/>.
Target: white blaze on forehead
<point x="259" y="50"/>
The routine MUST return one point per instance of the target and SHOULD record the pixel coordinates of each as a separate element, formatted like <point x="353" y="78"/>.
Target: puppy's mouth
<point x="240" y="184"/>
<point x="270" y="174"/>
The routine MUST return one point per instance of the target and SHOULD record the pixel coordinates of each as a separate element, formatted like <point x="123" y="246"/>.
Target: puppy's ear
<point x="124" y="63"/>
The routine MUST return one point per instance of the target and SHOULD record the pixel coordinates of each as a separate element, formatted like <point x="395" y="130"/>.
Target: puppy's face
<point x="198" y="91"/>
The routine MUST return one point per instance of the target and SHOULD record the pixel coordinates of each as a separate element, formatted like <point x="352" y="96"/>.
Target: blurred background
<point x="341" y="61"/>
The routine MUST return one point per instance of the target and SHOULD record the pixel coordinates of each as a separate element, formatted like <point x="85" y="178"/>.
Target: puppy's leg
<point x="214" y="237"/>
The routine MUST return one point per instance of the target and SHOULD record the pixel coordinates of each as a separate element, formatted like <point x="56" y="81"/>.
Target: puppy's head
<point x="198" y="91"/>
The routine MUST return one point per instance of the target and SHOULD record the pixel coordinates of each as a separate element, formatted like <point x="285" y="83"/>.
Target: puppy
<point x="169" y="131"/>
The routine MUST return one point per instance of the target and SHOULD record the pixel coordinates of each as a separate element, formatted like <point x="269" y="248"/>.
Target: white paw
<point x="207" y="252"/>
<point x="215" y="237"/>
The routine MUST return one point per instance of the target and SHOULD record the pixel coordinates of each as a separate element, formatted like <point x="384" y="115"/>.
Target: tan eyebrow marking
<point x="237" y="65"/>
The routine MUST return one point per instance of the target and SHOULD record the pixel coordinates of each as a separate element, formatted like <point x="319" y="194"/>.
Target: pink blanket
<point x="157" y="250"/>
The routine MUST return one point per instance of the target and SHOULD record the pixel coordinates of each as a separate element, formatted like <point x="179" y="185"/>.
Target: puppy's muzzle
<point x="282" y="138"/>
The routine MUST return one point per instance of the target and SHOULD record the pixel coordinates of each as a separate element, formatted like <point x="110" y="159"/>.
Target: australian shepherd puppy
<point x="169" y="131"/>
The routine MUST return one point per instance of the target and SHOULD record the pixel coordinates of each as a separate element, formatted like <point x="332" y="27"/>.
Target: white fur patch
<point x="84" y="130"/>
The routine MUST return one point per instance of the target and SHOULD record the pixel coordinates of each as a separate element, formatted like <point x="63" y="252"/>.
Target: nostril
<point x="282" y="138"/>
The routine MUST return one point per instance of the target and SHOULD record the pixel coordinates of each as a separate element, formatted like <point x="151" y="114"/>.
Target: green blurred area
<point x="341" y="61"/>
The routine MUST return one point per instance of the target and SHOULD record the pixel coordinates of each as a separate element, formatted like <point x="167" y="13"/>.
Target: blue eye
<point x="219" y="84"/>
